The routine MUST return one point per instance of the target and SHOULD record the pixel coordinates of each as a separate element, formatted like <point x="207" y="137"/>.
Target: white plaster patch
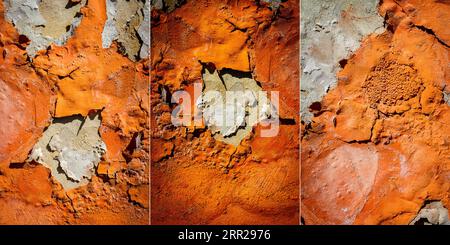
<point x="128" y="23"/>
<point x="71" y="148"/>
<point x="434" y="213"/>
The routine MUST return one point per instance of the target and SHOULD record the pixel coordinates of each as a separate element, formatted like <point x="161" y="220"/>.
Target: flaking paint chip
<point x="71" y="148"/>
<point x="232" y="105"/>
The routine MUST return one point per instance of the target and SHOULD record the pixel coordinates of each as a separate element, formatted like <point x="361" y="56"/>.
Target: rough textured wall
<point x="331" y="31"/>
<point x="56" y="75"/>
<point x="197" y="179"/>
<point x="83" y="140"/>
<point x="376" y="150"/>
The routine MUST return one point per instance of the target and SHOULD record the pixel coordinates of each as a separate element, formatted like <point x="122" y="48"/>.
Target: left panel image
<point x="74" y="106"/>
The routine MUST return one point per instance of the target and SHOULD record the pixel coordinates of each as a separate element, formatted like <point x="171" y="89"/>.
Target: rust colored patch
<point x="391" y="83"/>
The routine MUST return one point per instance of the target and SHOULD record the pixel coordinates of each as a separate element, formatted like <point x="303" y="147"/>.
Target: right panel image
<point x="375" y="114"/>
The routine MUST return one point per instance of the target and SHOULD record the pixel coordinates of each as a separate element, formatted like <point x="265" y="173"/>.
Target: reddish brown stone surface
<point x="196" y="179"/>
<point x="379" y="148"/>
<point x="76" y="78"/>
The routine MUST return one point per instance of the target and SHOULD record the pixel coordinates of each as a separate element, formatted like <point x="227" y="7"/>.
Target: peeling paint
<point x="126" y="22"/>
<point x="144" y="31"/>
<point x="71" y="148"/>
<point x="433" y="213"/>
<point x="231" y="105"/>
<point x="331" y="31"/>
<point x="44" y="22"/>
<point x="446" y="97"/>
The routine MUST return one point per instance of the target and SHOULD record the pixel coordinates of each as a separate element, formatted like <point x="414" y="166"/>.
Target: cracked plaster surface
<point x="71" y="148"/>
<point x="44" y="22"/>
<point x="129" y="30"/>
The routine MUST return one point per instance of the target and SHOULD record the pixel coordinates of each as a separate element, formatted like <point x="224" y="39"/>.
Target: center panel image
<point x="224" y="112"/>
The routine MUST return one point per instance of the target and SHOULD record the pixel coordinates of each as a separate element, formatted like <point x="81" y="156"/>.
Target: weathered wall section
<point x="74" y="115"/>
<point x="376" y="149"/>
<point x="197" y="179"/>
